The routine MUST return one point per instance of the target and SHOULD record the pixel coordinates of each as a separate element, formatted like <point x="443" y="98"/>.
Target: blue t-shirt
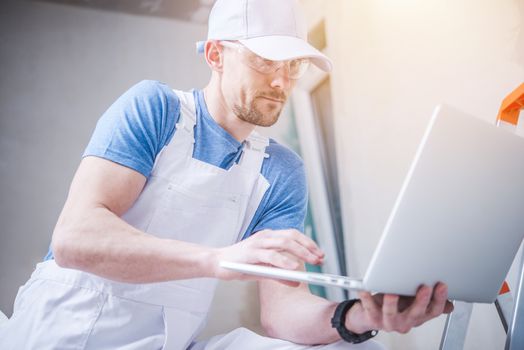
<point x="142" y="121"/>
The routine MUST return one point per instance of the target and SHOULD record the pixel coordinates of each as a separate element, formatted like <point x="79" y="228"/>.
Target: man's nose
<point x="281" y="78"/>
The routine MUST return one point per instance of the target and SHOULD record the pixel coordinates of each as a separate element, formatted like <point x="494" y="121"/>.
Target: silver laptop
<point x="458" y="218"/>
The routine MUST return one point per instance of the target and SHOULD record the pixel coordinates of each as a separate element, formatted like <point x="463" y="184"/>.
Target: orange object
<point x="511" y="106"/>
<point x="504" y="289"/>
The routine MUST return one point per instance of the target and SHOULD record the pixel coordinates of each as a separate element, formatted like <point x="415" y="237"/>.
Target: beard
<point x="252" y="113"/>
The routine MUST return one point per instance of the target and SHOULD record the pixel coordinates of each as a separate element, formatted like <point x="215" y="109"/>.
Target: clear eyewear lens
<point x="296" y="67"/>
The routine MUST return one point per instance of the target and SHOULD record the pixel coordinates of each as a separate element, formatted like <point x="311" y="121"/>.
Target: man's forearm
<point x="296" y="315"/>
<point x="101" y="243"/>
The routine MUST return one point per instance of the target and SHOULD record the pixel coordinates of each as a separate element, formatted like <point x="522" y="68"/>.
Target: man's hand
<point x="399" y="314"/>
<point x="287" y="249"/>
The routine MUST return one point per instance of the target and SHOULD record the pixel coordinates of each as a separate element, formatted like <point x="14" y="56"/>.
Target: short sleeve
<point x="136" y="126"/>
<point x="286" y="205"/>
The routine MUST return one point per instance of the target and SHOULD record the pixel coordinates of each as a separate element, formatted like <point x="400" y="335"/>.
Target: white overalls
<point x="184" y="199"/>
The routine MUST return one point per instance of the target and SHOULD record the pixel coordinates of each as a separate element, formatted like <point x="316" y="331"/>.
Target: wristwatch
<point x="338" y="321"/>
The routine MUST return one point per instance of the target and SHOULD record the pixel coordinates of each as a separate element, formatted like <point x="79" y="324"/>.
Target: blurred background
<point x="63" y="62"/>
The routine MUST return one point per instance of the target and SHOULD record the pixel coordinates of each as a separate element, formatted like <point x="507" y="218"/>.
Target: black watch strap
<point x="338" y="321"/>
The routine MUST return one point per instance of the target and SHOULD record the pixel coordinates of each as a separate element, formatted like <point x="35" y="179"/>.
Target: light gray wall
<point x="60" y="68"/>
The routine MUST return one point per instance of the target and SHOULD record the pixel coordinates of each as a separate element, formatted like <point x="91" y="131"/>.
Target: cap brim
<point x="281" y="48"/>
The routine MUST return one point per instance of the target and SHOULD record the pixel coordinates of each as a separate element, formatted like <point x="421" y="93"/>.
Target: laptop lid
<point x="459" y="216"/>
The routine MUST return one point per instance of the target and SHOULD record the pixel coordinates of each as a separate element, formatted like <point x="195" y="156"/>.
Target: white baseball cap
<point x="273" y="29"/>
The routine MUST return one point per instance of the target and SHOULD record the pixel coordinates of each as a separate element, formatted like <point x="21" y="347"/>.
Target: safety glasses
<point x="295" y="68"/>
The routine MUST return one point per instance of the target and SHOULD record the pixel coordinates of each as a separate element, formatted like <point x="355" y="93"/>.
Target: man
<point x="170" y="184"/>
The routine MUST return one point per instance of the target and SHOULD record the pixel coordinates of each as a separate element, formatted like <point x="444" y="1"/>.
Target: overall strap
<point x="187" y="119"/>
<point x="254" y="152"/>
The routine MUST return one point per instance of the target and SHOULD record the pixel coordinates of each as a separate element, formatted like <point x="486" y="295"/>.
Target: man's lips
<point x="272" y="99"/>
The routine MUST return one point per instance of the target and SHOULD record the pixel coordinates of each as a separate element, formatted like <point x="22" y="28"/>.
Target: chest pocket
<point x="211" y="219"/>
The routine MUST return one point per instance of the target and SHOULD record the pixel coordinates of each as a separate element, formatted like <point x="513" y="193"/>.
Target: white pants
<point x="242" y="338"/>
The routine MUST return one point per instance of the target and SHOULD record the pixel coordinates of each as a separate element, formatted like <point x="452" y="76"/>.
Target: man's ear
<point x="214" y="53"/>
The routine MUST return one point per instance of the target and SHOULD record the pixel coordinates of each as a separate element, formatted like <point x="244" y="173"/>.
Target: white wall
<point x="394" y="61"/>
<point x="60" y="68"/>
